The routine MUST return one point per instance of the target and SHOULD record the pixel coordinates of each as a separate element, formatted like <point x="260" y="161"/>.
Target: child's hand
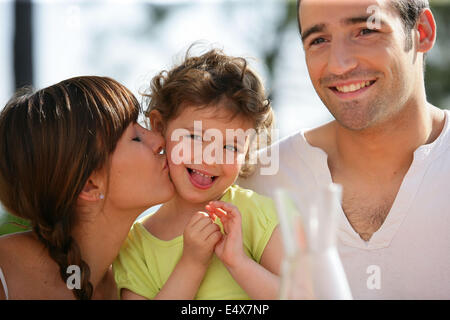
<point x="230" y="248"/>
<point x="200" y="237"/>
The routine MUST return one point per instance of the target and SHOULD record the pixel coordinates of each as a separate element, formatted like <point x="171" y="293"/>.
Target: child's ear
<point x="94" y="189"/>
<point x="426" y="28"/>
<point x="156" y="121"/>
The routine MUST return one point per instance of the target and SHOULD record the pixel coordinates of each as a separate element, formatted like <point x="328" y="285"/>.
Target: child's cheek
<point x="231" y="170"/>
<point x="181" y="152"/>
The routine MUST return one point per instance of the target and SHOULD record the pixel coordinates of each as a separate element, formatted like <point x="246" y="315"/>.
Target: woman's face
<point x="139" y="174"/>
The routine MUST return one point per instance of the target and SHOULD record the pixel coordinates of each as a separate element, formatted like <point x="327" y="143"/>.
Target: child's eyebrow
<point x="192" y="128"/>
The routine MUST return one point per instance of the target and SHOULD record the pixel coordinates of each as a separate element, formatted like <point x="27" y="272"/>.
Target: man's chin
<point x="356" y="118"/>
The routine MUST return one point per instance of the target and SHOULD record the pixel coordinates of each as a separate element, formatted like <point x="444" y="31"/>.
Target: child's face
<point x="203" y="162"/>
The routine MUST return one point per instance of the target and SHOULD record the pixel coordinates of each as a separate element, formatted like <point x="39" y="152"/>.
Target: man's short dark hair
<point x="409" y="11"/>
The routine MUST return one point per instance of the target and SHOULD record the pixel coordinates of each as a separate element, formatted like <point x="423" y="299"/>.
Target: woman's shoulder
<point x="15" y="245"/>
<point x="18" y="250"/>
<point x="19" y="256"/>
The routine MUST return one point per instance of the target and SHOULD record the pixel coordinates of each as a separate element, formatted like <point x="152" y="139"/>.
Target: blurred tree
<point x="23" y="75"/>
<point x="289" y="17"/>
<point x="437" y="75"/>
<point x="23" y="43"/>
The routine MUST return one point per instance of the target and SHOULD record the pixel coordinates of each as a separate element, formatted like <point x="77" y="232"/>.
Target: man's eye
<point x="231" y="148"/>
<point x="367" y="31"/>
<point x="317" y="41"/>
<point x="136" y="139"/>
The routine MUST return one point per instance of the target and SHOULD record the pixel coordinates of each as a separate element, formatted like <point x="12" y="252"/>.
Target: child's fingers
<point x="197" y="217"/>
<point x="199" y="221"/>
<point x="210" y="210"/>
<point x="216" y="212"/>
<point x="214" y="237"/>
<point x="228" y="207"/>
<point x="224" y="217"/>
<point x="209" y="228"/>
<point x="224" y="205"/>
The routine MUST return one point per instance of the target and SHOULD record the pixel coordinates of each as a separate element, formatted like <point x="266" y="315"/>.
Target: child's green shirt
<point x="146" y="262"/>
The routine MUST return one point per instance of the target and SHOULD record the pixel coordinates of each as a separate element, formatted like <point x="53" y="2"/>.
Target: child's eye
<point x="195" y="137"/>
<point x="231" y="148"/>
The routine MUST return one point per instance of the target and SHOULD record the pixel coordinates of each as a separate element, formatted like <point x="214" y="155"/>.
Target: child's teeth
<point x="201" y="179"/>
<point x="199" y="173"/>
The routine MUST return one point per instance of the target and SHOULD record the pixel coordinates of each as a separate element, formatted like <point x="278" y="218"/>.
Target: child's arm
<point x="259" y="281"/>
<point x="126" y="294"/>
<point x="199" y="238"/>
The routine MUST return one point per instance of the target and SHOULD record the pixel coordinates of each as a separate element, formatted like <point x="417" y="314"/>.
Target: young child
<point x="233" y="250"/>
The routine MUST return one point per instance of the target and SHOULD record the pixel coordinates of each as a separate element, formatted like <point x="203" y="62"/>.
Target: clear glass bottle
<point x="311" y="268"/>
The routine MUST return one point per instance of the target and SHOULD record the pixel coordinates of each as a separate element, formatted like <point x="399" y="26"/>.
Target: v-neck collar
<point x="381" y="238"/>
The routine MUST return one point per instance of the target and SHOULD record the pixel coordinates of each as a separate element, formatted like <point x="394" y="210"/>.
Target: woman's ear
<point x="93" y="190"/>
<point x="426" y="29"/>
<point x="156" y="121"/>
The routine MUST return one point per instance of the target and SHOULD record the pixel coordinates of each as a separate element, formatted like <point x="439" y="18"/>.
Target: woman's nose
<point x="157" y="142"/>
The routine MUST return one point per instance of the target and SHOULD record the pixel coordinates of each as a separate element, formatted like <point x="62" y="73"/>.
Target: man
<point x="388" y="147"/>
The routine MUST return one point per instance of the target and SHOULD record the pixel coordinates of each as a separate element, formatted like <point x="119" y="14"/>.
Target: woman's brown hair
<point x="210" y="79"/>
<point x="51" y="141"/>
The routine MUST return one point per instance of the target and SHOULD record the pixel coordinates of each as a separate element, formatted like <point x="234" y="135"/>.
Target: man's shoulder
<point x="287" y="142"/>
<point x="294" y="165"/>
<point x="446" y="130"/>
<point x="306" y="138"/>
<point x="441" y="144"/>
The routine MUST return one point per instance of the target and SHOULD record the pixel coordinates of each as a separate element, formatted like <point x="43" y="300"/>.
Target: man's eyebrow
<point x="355" y="20"/>
<point x="345" y="21"/>
<point x="358" y="20"/>
<point x="314" y="29"/>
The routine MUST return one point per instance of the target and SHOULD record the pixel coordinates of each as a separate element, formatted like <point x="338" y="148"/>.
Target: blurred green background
<point x="11" y="224"/>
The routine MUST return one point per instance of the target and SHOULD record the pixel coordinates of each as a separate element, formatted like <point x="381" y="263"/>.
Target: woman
<point x="75" y="163"/>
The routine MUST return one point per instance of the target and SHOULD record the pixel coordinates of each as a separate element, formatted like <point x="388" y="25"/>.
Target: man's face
<point x="361" y="73"/>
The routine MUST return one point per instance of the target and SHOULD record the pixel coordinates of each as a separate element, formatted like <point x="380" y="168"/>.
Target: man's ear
<point x="426" y="30"/>
<point x="156" y="121"/>
<point x="93" y="190"/>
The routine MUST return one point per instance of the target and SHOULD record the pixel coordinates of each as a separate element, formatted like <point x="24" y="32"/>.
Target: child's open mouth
<point x="200" y="179"/>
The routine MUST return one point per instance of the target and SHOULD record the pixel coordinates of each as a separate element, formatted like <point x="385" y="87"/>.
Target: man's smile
<point x="351" y="89"/>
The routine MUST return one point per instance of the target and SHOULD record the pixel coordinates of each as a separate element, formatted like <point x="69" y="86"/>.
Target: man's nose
<point x="341" y="57"/>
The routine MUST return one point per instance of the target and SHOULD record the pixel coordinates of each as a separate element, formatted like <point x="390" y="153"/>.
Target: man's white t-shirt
<point x="410" y="253"/>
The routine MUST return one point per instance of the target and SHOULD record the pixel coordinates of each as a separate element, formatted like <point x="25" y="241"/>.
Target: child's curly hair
<point x="207" y="80"/>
